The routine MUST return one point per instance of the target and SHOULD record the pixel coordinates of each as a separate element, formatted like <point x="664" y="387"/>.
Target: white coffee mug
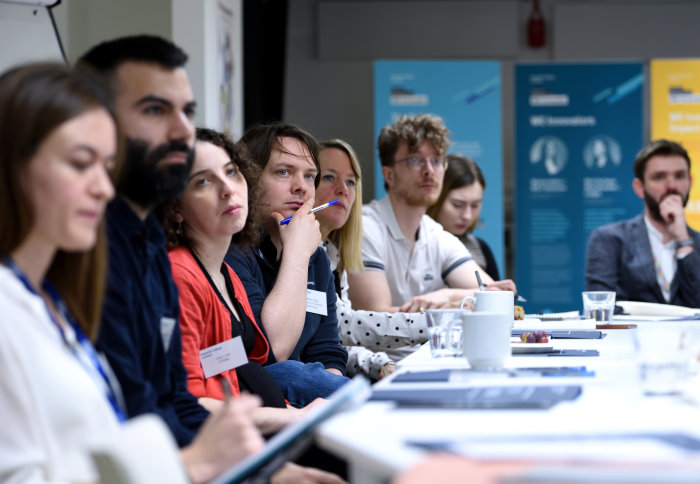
<point x="493" y="301"/>
<point x="486" y="339"/>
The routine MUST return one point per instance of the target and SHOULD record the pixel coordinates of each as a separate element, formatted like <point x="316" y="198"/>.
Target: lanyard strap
<point x="80" y="346"/>
<point x="660" y="276"/>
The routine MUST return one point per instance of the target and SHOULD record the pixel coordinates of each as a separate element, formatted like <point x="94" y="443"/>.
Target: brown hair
<point x="35" y="99"/>
<point x="662" y="147"/>
<point x="412" y="129"/>
<point x="261" y="140"/>
<point x="177" y="234"/>
<point x="461" y="171"/>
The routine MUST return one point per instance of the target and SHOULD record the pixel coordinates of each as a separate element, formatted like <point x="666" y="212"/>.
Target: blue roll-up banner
<point x="467" y="95"/>
<point x="578" y="128"/>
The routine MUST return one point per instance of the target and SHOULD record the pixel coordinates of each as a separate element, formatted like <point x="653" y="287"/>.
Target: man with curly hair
<point x="412" y="263"/>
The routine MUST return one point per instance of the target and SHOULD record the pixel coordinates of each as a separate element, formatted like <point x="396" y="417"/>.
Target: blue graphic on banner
<point x="578" y="129"/>
<point x="467" y="95"/>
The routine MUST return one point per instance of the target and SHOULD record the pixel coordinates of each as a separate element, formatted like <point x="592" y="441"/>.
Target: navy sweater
<point x="319" y="341"/>
<point x="140" y="332"/>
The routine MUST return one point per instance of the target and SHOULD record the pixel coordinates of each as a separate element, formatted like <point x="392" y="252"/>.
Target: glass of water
<point x="445" y="330"/>
<point x="665" y="352"/>
<point x="599" y="305"/>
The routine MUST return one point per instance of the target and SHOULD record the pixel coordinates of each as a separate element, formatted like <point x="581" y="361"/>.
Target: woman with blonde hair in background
<point x="375" y="340"/>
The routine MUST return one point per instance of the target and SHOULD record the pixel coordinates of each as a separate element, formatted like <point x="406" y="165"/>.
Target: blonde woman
<point x="376" y="340"/>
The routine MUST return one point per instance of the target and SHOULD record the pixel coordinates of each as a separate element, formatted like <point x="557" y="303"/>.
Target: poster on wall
<point x="578" y="129"/>
<point x="467" y="95"/>
<point x="675" y="115"/>
<point x="225" y="66"/>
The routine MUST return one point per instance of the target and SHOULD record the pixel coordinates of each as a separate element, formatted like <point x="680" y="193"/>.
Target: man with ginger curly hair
<point x="412" y="263"/>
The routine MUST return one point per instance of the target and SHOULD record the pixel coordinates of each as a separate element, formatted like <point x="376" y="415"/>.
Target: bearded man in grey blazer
<point x="655" y="256"/>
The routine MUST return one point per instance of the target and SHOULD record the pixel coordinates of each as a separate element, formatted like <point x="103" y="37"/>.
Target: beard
<point x="420" y="198"/>
<point x="653" y="205"/>
<point x="144" y="182"/>
<point x="414" y="200"/>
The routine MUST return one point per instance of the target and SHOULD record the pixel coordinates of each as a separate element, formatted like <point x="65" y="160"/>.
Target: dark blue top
<point x="141" y="303"/>
<point x="319" y="341"/>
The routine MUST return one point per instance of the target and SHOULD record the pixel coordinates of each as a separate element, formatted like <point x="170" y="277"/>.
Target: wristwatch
<point x="684" y="243"/>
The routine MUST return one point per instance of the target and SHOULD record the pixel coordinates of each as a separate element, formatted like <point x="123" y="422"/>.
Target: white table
<point x="373" y="437"/>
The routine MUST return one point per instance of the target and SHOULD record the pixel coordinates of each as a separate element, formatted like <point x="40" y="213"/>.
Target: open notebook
<point x="290" y="442"/>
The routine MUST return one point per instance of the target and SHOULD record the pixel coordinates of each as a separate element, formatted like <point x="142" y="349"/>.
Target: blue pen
<point x="313" y="210"/>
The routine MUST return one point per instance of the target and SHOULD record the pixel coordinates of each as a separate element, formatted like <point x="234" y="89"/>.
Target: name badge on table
<point x="223" y="356"/>
<point x="316" y="302"/>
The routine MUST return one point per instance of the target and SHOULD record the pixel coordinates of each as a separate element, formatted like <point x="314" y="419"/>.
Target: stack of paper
<point x="638" y="308"/>
<point x="568" y="321"/>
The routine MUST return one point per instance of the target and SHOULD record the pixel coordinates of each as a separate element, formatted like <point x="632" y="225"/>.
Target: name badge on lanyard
<point x="167" y="325"/>
<point x="316" y="302"/>
<point x="223" y="357"/>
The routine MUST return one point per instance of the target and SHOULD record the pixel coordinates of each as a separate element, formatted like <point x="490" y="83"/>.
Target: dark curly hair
<point x="176" y="233"/>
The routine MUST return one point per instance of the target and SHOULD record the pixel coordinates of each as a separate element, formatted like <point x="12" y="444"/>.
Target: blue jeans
<point x="301" y="382"/>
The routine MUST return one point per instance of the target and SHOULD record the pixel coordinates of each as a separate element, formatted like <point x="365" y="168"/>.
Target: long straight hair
<point x="461" y="171"/>
<point x="348" y="238"/>
<point x="35" y="100"/>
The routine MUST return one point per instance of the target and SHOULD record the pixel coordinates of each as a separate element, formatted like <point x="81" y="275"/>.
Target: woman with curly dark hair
<point x="213" y="213"/>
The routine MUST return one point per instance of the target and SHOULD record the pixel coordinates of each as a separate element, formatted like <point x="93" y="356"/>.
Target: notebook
<point x="567" y="333"/>
<point x="490" y="397"/>
<point x="294" y="439"/>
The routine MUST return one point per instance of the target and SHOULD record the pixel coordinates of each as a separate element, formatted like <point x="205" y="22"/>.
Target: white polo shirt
<point x="436" y="252"/>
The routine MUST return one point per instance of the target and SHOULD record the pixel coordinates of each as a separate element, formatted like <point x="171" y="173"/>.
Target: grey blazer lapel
<point x="642" y="247"/>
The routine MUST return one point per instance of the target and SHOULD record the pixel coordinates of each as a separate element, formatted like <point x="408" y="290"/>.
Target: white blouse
<point x="52" y="411"/>
<point x="373" y="339"/>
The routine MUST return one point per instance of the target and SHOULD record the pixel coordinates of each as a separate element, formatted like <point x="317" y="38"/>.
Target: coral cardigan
<point x="205" y="321"/>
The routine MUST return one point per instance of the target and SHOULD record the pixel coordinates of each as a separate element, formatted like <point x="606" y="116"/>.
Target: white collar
<point x="654" y="232"/>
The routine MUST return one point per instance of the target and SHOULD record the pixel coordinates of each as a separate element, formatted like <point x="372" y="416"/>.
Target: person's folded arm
<point x="688" y="274"/>
<point x="362" y="361"/>
<point x="284" y="310"/>
<point x="377" y="330"/>
<point x="369" y="290"/>
<point x="282" y="305"/>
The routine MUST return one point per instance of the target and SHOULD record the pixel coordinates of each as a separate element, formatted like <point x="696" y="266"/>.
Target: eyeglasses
<point x="417" y="163"/>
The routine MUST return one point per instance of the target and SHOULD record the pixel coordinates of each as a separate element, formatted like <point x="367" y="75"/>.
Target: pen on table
<point x="313" y="210"/>
<point x="226" y="386"/>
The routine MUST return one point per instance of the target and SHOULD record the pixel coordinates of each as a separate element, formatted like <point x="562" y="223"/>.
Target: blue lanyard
<point x="83" y="343"/>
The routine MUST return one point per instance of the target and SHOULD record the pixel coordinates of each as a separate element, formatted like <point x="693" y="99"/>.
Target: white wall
<point x="26" y="34"/>
<point x="92" y="21"/>
<point x="192" y="24"/>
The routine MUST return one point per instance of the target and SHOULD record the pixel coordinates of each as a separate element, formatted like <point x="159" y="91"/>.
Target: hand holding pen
<point x="300" y="235"/>
<point x="313" y="210"/>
